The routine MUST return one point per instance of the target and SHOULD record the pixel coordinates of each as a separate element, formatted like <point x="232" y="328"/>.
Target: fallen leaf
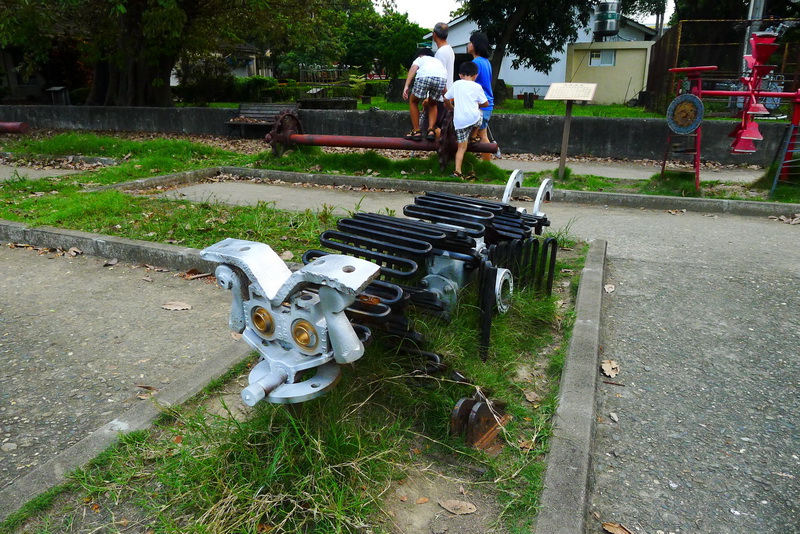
<point x="615" y="528"/>
<point x="461" y="490"/>
<point x="403" y="498"/>
<point x="286" y="255"/>
<point x="236" y="336"/>
<point x="147" y="279"/>
<point x="176" y="306"/>
<point x="96" y="508"/>
<point x="609" y="288"/>
<point x="148" y="388"/>
<point x="610" y="368"/>
<point x="526" y="445"/>
<point x="422" y="500"/>
<point x="111" y="262"/>
<point x="75" y="251"/>
<point x="264" y="528"/>
<point x="458" y="507"/>
<point x="532" y="396"/>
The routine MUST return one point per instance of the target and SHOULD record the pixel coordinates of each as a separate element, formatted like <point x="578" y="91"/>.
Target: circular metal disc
<point x="685" y="114"/>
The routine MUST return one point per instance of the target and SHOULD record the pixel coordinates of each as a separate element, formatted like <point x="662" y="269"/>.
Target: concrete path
<point x="629" y="170"/>
<point x="12" y="172"/>
<point x="703" y="321"/>
<point x="77" y="340"/>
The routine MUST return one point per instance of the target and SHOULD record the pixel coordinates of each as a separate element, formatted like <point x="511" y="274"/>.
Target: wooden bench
<point x="257" y="116"/>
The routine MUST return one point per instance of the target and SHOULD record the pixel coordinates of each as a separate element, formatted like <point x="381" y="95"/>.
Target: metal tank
<point x="606" y="20"/>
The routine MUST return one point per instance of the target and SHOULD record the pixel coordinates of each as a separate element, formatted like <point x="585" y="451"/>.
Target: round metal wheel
<point x="286" y="124"/>
<point x="685" y="114"/>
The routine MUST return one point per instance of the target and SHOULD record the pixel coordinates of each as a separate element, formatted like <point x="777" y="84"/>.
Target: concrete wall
<point x="116" y="119"/>
<point x="618" y="83"/>
<point x="539" y="134"/>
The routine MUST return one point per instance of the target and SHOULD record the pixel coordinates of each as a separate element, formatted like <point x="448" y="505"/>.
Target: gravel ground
<point x="78" y="339"/>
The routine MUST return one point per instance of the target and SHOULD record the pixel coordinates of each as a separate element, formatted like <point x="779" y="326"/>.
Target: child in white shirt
<point x="431" y="79"/>
<point x="468" y="97"/>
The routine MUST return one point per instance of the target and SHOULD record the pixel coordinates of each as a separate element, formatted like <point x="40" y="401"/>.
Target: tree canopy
<point x="532" y="30"/>
<point x="132" y="46"/>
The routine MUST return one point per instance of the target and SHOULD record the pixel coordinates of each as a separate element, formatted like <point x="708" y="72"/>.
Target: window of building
<point x="603" y="58"/>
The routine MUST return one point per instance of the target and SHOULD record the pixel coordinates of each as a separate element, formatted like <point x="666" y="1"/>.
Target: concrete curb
<point x="140" y="417"/>
<point x="565" y="495"/>
<point x="104" y="246"/>
<point x="622" y="200"/>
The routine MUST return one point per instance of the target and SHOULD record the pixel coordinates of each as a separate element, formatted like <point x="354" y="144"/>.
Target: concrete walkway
<point x="13" y="172"/>
<point x="698" y="432"/>
<point x="630" y="170"/>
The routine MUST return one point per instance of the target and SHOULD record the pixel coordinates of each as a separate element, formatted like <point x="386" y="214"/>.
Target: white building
<point x="526" y="80"/>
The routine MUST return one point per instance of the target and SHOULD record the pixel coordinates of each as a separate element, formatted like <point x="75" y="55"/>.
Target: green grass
<point x="540" y="107"/>
<point x="424" y="167"/>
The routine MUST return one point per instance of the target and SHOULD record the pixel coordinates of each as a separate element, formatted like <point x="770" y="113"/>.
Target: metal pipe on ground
<point x="14" y="127"/>
<point x="397" y="143"/>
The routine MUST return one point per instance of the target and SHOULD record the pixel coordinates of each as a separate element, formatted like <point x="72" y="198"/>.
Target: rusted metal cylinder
<point x="396" y="143"/>
<point x="14" y="127"/>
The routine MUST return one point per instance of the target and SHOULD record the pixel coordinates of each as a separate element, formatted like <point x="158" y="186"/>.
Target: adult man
<point x="445" y="54"/>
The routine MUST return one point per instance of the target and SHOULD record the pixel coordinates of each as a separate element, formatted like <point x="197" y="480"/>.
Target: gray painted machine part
<point x="503" y="289"/>
<point x="262" y="380"/>
<point x="515" y="180"/>
<point x="227" y="279"/>
<point x="345" y="274"/>
<point x="269" y="303"/>
<point x="263" y="267"/>
<point x="543" y="194"/>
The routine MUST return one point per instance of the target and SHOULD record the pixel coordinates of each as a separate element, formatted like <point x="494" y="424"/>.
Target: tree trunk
<point x="142" y="77"/>
<point x="502" y="42"/>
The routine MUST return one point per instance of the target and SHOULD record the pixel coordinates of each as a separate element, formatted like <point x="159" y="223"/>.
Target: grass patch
<point x="370" y="163"/>
<point x="540" y="107"/>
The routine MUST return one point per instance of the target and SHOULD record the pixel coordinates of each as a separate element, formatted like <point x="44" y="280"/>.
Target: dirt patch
<point x="413" y="503"/>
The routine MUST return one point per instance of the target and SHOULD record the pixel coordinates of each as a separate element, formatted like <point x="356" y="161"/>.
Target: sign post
<point x="569" y="92"/>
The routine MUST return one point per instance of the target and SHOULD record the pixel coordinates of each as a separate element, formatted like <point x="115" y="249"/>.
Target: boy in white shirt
<point x="468" y="97"/>
<point x="431" y="79"/>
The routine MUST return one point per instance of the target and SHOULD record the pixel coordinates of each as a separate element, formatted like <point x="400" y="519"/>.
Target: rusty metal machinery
<point x="685" y="113"/>
<point x="287" y="131"/>
<point x="14" y="127"/>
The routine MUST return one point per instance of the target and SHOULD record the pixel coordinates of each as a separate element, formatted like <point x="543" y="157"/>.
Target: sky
<point x="426" y="13"/>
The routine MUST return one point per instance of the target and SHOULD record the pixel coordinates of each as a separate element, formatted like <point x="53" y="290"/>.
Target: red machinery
<point x="685" y="112"/>
<point x="13" y="127"/>
<point x="287" y="131"/>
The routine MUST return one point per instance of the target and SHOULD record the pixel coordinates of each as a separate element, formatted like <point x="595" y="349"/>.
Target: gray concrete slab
<point x="77" y="339"/>
<point x="630" y="170"/>
<point x="13" y="172"/>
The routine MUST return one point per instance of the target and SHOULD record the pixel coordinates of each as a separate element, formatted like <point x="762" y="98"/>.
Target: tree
<point x="532" y="30"/>
<point x="646" y="7"/>
<point x="398" y="42"/>
<point x="133" y="45"/>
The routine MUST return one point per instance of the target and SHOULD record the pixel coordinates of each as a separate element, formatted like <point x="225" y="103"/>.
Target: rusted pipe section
<point x="396" y="143"/>
<point x="14" y="127"/>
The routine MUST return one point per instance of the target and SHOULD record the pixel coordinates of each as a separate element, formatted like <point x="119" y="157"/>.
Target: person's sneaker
<point x="414" y="135"/>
